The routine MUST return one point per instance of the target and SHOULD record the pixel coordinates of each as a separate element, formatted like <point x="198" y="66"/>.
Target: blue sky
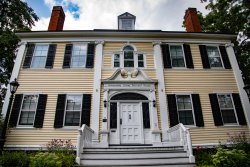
<point x="102" y="14"/>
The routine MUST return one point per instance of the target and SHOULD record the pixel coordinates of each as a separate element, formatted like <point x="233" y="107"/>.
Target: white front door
<point x="131" y="123"/>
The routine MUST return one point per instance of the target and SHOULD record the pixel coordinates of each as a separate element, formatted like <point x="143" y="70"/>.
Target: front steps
<point x="135" y="156"/>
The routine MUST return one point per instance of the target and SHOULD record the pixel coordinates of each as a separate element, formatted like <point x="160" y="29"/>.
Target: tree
<point x="231" y="16"/>
<point x="15" y="15"/>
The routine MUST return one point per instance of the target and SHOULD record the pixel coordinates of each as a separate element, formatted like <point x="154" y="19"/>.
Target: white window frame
<point x="79" y="43"/>
<point x="20" y="111"/>
<point x="183" y="53"/>
<point x="235" y="114"/>
<point x="190" y="96"/>
<point x="32" y="60"/>
<point x="135" y="60"/>
<point x="65" y="107"/>
<point x="222" y="63"/>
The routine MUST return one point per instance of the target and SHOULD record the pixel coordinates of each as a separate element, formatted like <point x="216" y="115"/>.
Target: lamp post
<point x="247" y="89"/>
<point x="13" y="87"/>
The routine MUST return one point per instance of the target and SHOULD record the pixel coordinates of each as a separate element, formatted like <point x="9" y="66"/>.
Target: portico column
<point x="239" y="81"/>
<point x="97" y="89"/>
<point x="156" y="133"/>
<point x="161" y="85"/>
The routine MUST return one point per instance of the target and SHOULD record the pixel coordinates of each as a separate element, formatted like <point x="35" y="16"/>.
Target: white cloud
<point x="102" y="14"/>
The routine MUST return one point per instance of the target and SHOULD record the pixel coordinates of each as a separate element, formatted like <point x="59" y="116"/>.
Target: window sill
<point x="25" y="127"/>
<point x="230" y="125"/>
<point x="70" y="127"/>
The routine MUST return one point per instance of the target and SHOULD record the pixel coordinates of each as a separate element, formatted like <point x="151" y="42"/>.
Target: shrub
<point x="57" y="145"/>
<point x="229" y="158"/>
<point x="239" y="141"/>
<point x="203" y="157"/>
<point x="68" y="159"/>
<point x="45" y="159"/>
<point x="14" y="159"/>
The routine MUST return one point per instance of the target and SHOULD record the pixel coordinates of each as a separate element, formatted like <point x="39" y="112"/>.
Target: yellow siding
<point x="203" y="81"/>
<point x="51" y="82"/>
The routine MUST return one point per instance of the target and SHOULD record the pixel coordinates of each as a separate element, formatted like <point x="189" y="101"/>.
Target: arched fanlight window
<point x="128" y="56"/>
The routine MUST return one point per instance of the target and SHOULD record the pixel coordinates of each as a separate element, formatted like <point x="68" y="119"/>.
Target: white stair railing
<point x="84" y="139"/>
<point x="180" y="135"/>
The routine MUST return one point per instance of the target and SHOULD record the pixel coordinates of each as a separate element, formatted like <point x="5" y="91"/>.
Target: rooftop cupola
<point x="126" y="21"/>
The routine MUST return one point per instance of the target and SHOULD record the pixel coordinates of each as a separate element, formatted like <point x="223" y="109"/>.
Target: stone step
<point x="137" y="154"/>
<point x="135" y="161"/>
<point x="160" y="165"/>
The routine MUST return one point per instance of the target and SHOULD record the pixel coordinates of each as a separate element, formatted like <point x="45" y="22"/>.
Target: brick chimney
<point x="57" y="19"/>
<point x="191" y="20"/>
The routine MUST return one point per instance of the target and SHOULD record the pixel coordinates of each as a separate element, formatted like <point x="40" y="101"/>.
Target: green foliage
<point x="239" y="141"/>
<point x="16" y="15"/>
<point x="45" y="159"/>
<point x="14" y="159"/>
<point x="230" y="158"/>
<point x="68" y="159"/>
<point x="203" y="157"/>
<point x="64" y="149"/>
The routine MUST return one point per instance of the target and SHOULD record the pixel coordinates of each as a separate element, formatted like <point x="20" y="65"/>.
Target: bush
<point x="230" y="158"/>
<point x="14" y="159"/>
<point x="203" y="157"/>
<point x="45" y="159"/>
<point x="239" y="141"/>
<point x="68" y="159"/>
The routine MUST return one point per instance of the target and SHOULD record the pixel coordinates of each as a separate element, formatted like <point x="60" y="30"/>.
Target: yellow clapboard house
<point x="126" y="96"/>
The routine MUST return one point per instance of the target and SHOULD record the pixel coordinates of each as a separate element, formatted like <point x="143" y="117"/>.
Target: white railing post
<point x="84" y="139"/>
<point x="79" y="147"/>
<point x="189" y="145"/>
<point x="180" y="135"/>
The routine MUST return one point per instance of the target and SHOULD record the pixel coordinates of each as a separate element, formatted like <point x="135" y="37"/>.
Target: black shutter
<point x="90" y="55"/>
<point x="188" y="56"/>
<point x="239" y="109"/>
<point x="40" y="111"/>
<point x="15" y="110"/>
<point x="146" y="117"/>
<point x="86" y="108"/>
<point x="166" y="56"/>
<point x="225" y="58"/>
<point x="113" y="115"/>
<point x="204" y="56"/>
<point x="173" y="115"/>
<point x="67" y="55"/>
<point x="60" y="106"/>
<point x="215" y="110"/>
<point x="197" y="110"/>
<point x="51" y="56"/>
<point x="29" y="55"/>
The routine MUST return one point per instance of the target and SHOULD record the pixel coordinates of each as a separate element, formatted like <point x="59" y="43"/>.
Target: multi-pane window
<point x="116" y="60"/>
<point x="177" y="56"/>
<point x="28" y="110"/>
<point x="128" y="58"/>
<point x="185" y="110"/>
<point x="73" y="110"/>
<point x="214" y="56"/>
<point x="40" y="56"/>
<point x="227" y="108"/>
<point x="79" y="55"/>
<point x="140" y="60"/>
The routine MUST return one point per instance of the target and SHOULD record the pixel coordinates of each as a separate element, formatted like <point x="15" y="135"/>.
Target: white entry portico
<point x="129" y="112"/>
